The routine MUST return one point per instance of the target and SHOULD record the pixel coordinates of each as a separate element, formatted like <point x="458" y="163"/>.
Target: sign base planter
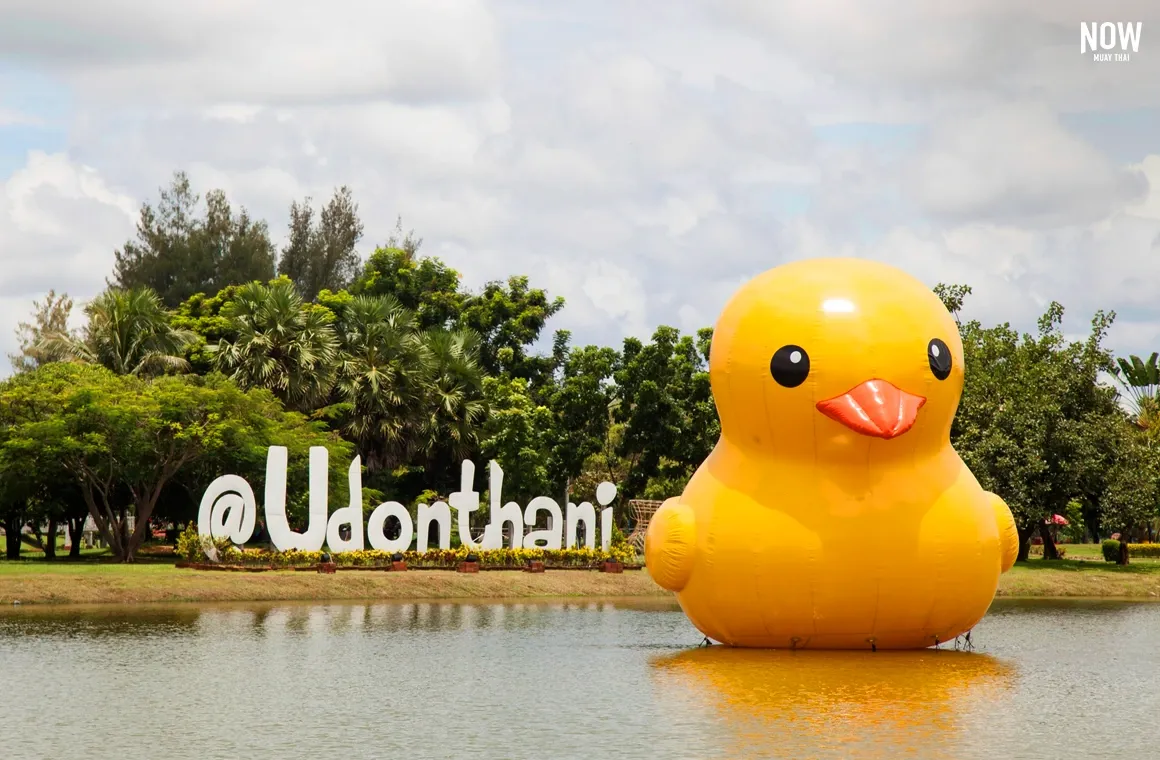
<point x="327" y="567"/>
<point x="399" y="566"/>
<point x="611" y="566"/>
<point x="534" y="566"/>
<point x="468" y="567"/>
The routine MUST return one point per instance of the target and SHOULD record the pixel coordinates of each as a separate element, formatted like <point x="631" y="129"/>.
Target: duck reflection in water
<point x="807" y="704"/>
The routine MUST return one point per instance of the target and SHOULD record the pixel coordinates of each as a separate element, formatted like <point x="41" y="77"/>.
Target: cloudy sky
<point x="641" y="158"/>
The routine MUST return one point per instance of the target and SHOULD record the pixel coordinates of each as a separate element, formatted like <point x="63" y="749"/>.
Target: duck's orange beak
<point x="876" y="408"/>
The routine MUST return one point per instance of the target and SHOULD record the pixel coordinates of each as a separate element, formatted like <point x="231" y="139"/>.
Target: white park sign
<point x="229" y="510"/>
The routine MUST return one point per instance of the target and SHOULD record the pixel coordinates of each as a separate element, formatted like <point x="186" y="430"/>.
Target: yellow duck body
<point x="834" y="512"/>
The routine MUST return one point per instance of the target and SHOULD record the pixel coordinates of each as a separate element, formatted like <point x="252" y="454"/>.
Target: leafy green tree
<point x="13" y="511"/>
<point x="128" y="332"/>
<point x="321" y="255"/>
<point x="15" y="490"/>
<point x="178" y="252"/>
<point x="953" y="297"/>
<point x="509" y="318"/>
<point x="1128" y="486"/>
<point x="605" y="464"/>
<point x="282" y="344"/>
<point x="580" y="401"/>
<point x="423" y="284"/>
<point x="336" y="302"/>
<point x="202" y="316"/>
<point x="1033" y="419"/>
<point x="124" y="441"/>
<point x="517" y="435"/>
<point x="48" y="501"/>
<point x="49" y="317"/>
<point x="259" y="421"/>
<point x="664" y="400"/>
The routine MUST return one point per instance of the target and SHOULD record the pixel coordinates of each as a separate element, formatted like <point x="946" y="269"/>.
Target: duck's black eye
<point x="939" y="357"/>
<point x="790" y="366"/>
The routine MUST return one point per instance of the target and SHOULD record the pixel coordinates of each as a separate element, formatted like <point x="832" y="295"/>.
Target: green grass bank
<point x="1083" y="573"/>
<point x="38" y="582"/>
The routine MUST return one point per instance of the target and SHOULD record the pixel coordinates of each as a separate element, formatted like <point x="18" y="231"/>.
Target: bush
<point x="189" y="548"/>
<point x="619" y="548"/>
<point x="1151" y="551"/>
<point x="188" y="545"/>
<point x="1111" y="549"/>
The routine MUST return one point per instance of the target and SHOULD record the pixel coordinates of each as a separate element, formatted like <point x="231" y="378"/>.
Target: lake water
<point x="561" y="680"/>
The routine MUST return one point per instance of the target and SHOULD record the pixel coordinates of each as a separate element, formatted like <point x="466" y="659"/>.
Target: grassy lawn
<point x="1083" y="572"/>
<point x="30" y="552"/>
<point x="1091" y="552"/>
<point x="1082" y="551"/>
<point x="95" y="580"/>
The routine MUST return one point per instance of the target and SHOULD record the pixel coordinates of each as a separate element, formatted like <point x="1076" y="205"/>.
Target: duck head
<point x="826" y="357"/>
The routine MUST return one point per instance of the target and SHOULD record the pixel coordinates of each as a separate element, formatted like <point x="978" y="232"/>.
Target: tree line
<point x="209" y="345"/>
<point x="203" y="325"/>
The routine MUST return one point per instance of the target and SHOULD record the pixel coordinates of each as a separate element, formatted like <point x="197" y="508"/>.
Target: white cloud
<point x="930" y="55"/>
<point x="616" y="292"/>
<point x="59" y="225"/>
<point x="431" y="138"/>
<point x="60" y="220"/>
<point x="1017" y="163"/>
<point x="239" y="112"/>
<point x="259" y="51"/>
<point x="1014" y="272"/>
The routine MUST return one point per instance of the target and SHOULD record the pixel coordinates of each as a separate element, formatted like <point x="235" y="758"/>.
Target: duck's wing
<point x="1008" y="534"/>
<point x="670" y="545"/>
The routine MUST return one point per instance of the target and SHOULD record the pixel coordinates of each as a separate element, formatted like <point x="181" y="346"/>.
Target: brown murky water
<point x="561" y="680"/>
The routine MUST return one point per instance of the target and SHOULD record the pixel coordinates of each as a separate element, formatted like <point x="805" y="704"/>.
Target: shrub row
<point x="1111" y="550"/>
<point x="190" y="549"/>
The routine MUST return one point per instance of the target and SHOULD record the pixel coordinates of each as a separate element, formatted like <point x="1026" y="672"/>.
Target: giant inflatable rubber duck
<point x="833" y="512"/>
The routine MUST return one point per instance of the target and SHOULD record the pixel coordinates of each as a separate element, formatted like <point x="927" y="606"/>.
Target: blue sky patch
<point x="1125" y="136"/>
<point x="41" y="98"/>
<point x="880" y="135"/>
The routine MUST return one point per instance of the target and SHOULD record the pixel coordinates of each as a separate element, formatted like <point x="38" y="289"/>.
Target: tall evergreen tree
<point x="179" y="252"/>
<point x="321" y="255"/>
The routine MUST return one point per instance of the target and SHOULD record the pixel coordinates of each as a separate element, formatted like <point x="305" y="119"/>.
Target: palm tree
<point x="1141" y="379"/>
<point x="50" y="317"/>
<point x="456" y="406"/>
<point x="382" y="379"/>
<point x="128" y="332"/>
<point x="283" y="344"/>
